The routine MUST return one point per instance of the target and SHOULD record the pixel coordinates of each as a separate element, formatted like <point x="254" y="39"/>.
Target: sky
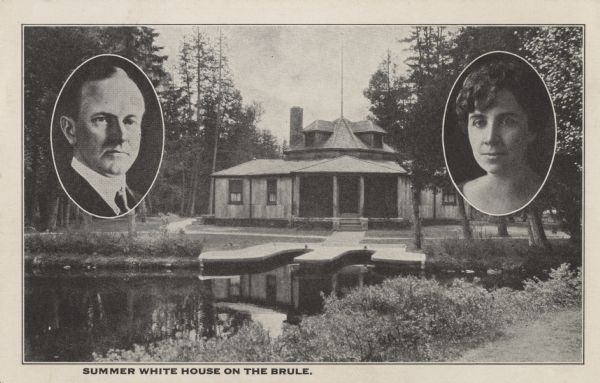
<point x="285" y="66"/>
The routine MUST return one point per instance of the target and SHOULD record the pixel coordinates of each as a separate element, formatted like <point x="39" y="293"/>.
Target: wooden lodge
<point x="337" y="174"/>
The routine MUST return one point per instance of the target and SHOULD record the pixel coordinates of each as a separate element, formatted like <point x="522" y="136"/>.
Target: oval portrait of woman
<point x="107" y="136"/>
<point x="499" y="133"/>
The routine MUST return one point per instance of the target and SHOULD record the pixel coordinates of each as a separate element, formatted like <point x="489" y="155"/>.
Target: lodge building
<point x="338" y="174"/>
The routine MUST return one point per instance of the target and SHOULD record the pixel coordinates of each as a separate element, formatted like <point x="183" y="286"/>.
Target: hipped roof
<point x="343" y="164"/>
<point x="343" y="135"/>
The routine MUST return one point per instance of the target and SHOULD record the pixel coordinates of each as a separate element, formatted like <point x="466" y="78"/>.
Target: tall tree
<point x="557" y="54"/>
<point x="205" y="107"/>
<point x="430" y="81"/>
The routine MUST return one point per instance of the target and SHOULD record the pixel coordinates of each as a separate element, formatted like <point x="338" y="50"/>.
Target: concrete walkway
<point x="344" y="238"/>
<point x="175" y="227"/>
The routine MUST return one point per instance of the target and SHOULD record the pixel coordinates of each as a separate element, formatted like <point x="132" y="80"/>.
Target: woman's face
<point x="499" y="135"/>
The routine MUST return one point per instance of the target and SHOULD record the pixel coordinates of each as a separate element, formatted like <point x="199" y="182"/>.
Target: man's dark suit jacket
<point x="87" y="197"/>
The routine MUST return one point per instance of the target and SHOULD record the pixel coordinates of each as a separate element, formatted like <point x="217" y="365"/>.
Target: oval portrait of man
<point x="107" y="136"/>
<point x="499" y="133"/>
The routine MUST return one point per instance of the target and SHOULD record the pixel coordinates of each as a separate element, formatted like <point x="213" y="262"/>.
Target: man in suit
<point x="102" y="123"/>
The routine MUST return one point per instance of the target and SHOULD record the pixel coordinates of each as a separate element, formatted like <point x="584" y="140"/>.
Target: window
<point x="449" y="197"/>
<point x="310" y="139"/>
<point x="235" y="192"/>
<point x="272" y="192"/>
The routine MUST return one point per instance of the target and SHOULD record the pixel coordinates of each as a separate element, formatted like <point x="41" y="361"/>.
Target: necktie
<point x="121" y="201"/>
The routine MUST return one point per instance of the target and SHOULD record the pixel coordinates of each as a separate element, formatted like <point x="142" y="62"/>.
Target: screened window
<point x="448" y="197"/>
<point x="235" y="192"/>
<point x="272" y="192"/>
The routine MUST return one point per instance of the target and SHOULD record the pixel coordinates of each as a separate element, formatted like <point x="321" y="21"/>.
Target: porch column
<point x="336" y="208"/>
<point x="400" y="193"/>
<point x="361" y="196"/>
<point x="296" y="197"/>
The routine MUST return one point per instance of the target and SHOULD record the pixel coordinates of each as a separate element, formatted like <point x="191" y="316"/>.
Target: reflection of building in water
<point x="336" y="173"/>
<point x="288" y="288"/>
<point x="68" y="318"/>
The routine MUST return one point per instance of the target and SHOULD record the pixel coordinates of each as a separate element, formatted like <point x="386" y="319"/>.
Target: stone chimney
<point x="296" y="136"/>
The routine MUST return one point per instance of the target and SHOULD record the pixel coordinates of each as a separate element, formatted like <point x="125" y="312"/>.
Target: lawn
<point x="213" y="242"/>
<point x="120" y="225"/>
<point x="556" y="337"/>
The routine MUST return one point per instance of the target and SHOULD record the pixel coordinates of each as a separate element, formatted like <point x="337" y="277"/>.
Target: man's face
<point x="108" y="128"/>
<point x="499" y="135"/>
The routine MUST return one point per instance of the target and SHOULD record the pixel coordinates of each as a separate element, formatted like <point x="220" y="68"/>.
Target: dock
<point x="307" y="256"/>
<point x="250" y="259"/>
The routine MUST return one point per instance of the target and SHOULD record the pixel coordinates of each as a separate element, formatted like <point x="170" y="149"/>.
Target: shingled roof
<point x="343" y="164"/>
<point x="343" y="137"/>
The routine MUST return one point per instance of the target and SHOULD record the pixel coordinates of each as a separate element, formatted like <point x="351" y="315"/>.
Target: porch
<point x="349" y="201"/>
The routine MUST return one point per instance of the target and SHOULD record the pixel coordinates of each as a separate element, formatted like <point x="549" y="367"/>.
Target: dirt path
<point x="556" y="337"/>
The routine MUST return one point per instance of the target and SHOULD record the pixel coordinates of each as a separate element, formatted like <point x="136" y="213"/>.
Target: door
<point x="349" y="194"/>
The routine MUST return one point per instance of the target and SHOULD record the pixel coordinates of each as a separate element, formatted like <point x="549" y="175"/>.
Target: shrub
<point x="562" y="289"/>
<point x="503" y="254"/>
<point x="111" y="244"/>
<point x="251" y="343"/>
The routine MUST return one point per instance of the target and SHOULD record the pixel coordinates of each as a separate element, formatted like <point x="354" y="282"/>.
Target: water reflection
<point x="69" y="315"/>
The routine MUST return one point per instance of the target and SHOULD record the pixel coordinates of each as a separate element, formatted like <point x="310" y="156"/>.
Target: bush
<point x="251" y="343"/>
<point x="113" y="244"/>
<point x="507" y="255"/>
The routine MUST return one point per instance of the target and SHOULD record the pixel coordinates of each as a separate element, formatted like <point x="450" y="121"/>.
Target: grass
<point x="260" y="230"/>
<point x="232" y="241"/>
<point x="119" y="225"/>
<point x="555" y="337"/>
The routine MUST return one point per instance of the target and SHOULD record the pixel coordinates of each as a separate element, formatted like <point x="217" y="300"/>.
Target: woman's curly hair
<point x="486" y="79"/>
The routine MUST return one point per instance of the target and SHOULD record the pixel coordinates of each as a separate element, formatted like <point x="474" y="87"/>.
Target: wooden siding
<point x="259" y="208"/>
<point x="404" y="198"/>
<point x="441" y="211"/>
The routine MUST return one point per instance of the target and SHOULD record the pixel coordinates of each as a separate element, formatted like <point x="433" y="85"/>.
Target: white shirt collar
<point x="107" y="187"/>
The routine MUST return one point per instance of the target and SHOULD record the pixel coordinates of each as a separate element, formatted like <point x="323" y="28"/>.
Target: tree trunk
<point x="416" y="202"/>
<point x="535" y="229"/>
<point x="87" y="221"/>
<point x="194" y="186"/>
<point x="53" y="213"/>
<point x="502" y="227"/>
<point x="143" y="210"/>
<point x="131" y="224"/>
<point x="466" y="226"/>
<point x="30" y="193"/>
<point x="182" y="209"/>
<point x="67" y="213"/>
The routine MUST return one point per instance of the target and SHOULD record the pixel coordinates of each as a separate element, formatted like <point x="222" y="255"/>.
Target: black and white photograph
<point x="107" y="139"/>
<point x="302" y="195"/>
<point x="504" y="115"/>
